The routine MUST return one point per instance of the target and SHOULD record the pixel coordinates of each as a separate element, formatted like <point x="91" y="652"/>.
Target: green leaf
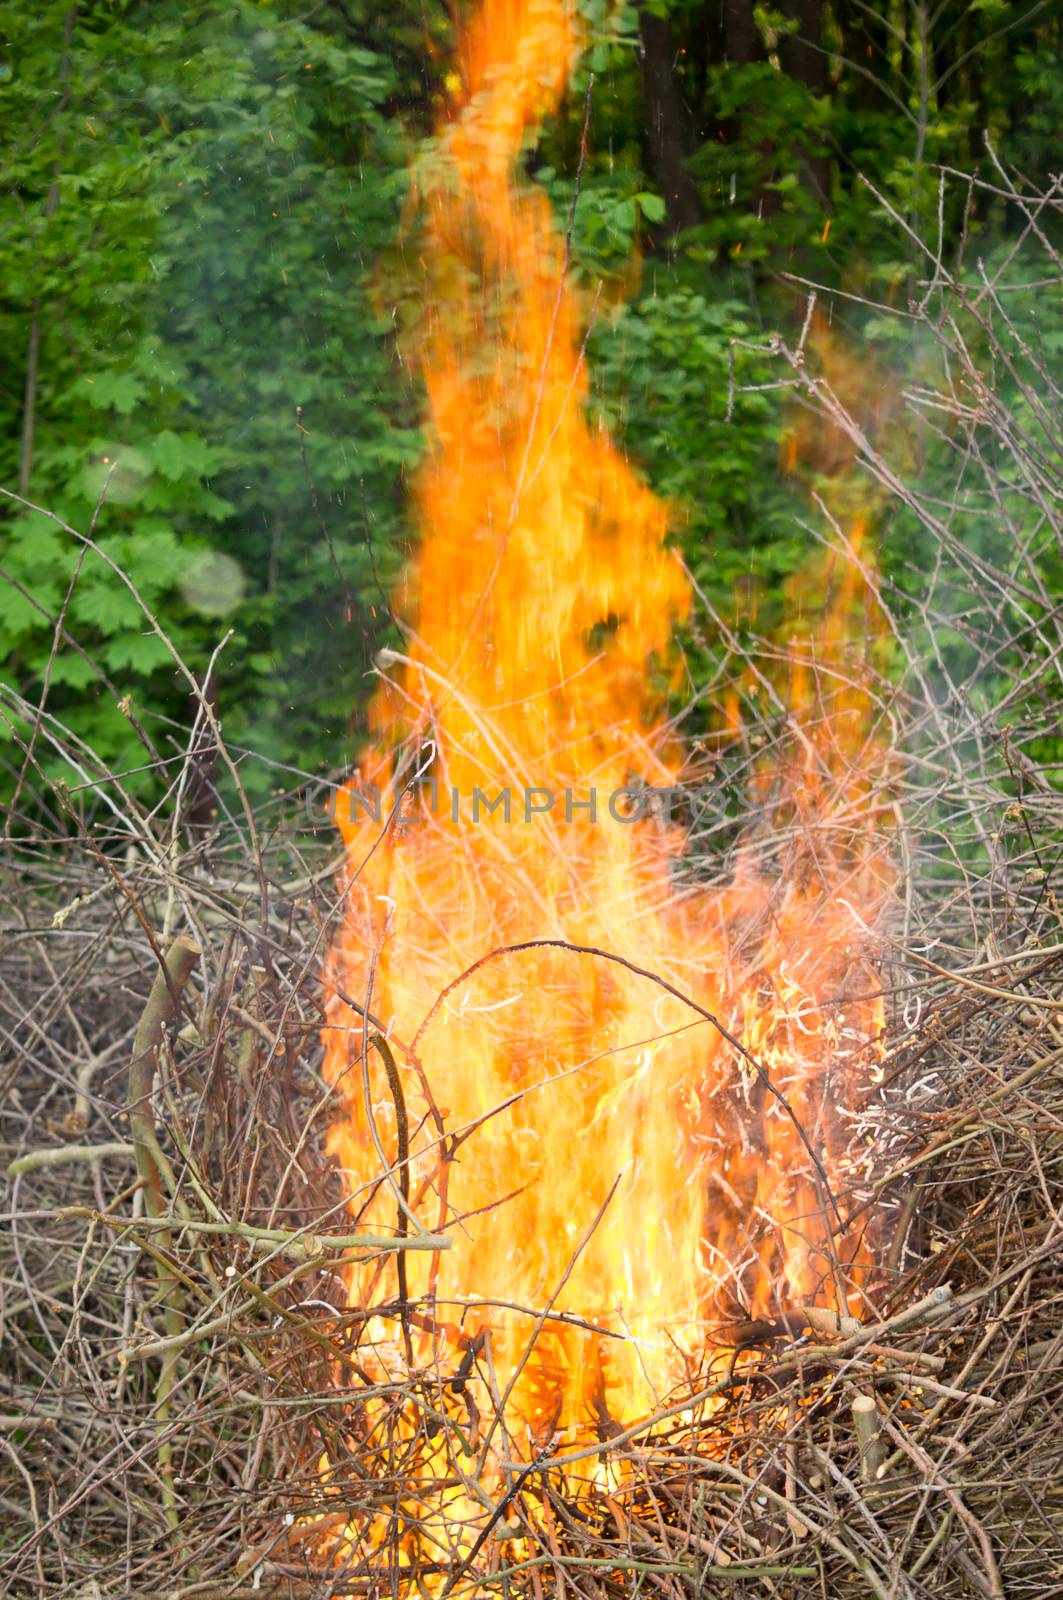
<point x="108" y="605"/>
<point x="181" y="455"/>
<point x="115" y="391"/>
<point x="68" y="668"/>
<point x="652" y="207"/>
<point x="137" y="652"/>
<point x="18" y="615"/>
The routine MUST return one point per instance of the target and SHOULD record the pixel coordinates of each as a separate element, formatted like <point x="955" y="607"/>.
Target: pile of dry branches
<point x="178" y="1366"/>
<point x="184" y="1405"/>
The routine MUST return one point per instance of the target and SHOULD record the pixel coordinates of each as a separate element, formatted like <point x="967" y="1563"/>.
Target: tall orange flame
<point x="605" y="1151"/>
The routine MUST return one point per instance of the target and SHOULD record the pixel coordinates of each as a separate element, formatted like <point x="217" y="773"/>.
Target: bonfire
<point x="532" y="1199"/>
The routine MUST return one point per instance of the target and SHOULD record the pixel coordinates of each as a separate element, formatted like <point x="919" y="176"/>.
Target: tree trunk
<point x="731" y="33"/>
<point x="801" y="53"/>
<point x="33" y="344"/>
<point x="742" y="39"/>
<point x="803" y="59"/>
<point x="668" y="124"/>
<point x="865" y="45"/>
<point x="743" y="46"/>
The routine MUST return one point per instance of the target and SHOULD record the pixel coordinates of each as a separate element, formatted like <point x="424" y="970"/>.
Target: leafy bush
<point x="206" y="232"/>
<point x="192" y="226"/>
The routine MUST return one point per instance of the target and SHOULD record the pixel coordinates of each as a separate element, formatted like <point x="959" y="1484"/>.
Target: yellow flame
<point x="540" y="610"/>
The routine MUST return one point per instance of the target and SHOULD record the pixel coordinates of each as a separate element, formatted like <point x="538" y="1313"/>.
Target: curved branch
<point x="643" y="972"/>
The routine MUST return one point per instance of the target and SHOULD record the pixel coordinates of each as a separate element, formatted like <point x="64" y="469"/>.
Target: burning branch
<point x="677" y="994"/>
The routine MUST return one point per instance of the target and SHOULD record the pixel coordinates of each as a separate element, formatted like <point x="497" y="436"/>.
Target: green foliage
<point x="196" y="206"/>
<point x="204" y="227"/>
<point x="1003" y="514"/>
<point x="669" y="374"/>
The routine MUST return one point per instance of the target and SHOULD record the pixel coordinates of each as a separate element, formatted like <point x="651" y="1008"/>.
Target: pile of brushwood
<point x="179" y="1362"/>
<point x="184" y="1410"/>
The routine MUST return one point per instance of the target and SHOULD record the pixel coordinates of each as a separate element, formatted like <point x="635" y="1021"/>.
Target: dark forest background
<point x="204" y="227"/>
